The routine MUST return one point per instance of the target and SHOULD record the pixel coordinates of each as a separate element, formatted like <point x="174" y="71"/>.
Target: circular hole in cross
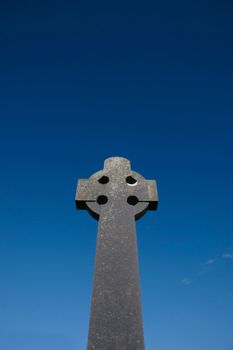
<point x="132" y="200"/>
<point x="102" y="200"/>
<point x="104" y="180"/>
<point x="131" y="181"/>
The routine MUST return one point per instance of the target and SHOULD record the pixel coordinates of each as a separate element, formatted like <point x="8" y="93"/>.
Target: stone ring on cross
<point x="117" y="185"/>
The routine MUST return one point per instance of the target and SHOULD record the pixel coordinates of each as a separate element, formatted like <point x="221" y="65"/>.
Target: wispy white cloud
<point x="186" y="281"/>
<point x="227" y="256"/>
<point x="210" y="262"/>
<point x="206" y="268"/>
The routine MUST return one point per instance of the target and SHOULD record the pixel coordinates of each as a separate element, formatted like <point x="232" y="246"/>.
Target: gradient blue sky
<point x="150" y="81"/>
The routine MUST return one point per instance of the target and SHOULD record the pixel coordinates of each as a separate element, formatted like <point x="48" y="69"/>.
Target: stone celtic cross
<point x="116" y="196"/>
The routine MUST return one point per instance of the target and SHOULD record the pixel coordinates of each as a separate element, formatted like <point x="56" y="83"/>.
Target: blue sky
<point x="149" y="81"/>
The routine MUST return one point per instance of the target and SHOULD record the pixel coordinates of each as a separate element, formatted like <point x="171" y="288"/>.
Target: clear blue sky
<point x="149" y="81"/>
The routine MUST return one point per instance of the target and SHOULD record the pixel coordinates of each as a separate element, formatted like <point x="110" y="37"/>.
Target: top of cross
<point x="117" y="183"/>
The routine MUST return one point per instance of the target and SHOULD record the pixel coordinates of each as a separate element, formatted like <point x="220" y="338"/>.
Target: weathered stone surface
<point x="116" y="196"/>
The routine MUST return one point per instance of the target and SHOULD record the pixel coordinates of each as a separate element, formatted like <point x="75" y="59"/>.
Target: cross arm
<point x="152" y="194"/>
<point x="87" y="191"/>
<point x="146" y="191"/>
